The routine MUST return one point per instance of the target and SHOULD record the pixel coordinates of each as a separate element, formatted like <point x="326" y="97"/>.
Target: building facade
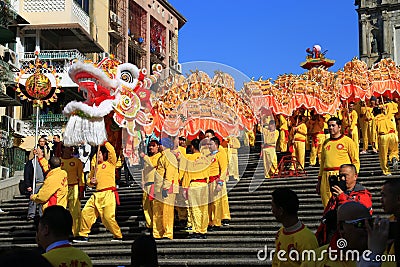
<point x="379" y="30"/>
<point x="142" y="32"/>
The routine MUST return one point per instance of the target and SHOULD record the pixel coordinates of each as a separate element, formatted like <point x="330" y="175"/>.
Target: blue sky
<point x="264" y="37"/>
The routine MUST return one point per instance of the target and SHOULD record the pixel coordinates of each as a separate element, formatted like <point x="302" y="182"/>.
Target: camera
<point x="335" y="180"/>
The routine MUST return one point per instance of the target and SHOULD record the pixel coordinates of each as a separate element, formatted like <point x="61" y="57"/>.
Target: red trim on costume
<point x="199" y="181"/>
<point x="52" y="200"/>
<point x="332" y="169"/>
<point x="114" y="189"/>
<point x="214" y="178"/>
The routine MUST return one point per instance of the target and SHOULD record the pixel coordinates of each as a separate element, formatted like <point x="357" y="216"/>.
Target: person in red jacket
<point x="348" y="190"/>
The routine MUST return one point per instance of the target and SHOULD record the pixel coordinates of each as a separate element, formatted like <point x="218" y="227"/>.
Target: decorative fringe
<point x="78" y="130"/>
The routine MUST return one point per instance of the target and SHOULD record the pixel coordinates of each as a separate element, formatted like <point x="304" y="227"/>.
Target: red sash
<point x="114" y="189"/>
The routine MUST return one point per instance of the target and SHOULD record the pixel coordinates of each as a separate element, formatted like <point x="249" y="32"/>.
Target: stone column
<point x="386" y="34"/>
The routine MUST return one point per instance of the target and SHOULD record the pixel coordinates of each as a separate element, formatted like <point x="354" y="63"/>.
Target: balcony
<point x="61" y="60"/>
<point x="66" y="23"/>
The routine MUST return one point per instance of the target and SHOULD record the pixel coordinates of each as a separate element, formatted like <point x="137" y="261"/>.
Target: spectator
<point x="349" y="190"/>
<point x="42" y="144"/>
<point x="144" y="252"/>
<point x="28" y="179"/>
<point x="52" y="235"/>
<point x="293" y="235"/>
<point x="22" y="257"/>
<point x="84" y="150"/>
<point x="351" y="219"/>
<point x="55" y="186"/>
<point x="57" y="146"/>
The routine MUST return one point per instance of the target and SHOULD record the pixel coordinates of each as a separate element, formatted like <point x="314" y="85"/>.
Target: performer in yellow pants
<point x="195" y="183"/>
<point x="217" y="178"/>
<point x="318" y="138"/>
<point x="299" y="138"/>
<point x="103" y="202"/>
<point x="148" y="173"/>
<point x="337" y="150"/>
<point x="283" y="133"/>
<point x="166" y="186"/>
<point x="387" y="141"/>
<point x="232" y="149"/>
<point x="226" y="214"/>
<point x="270" y="137"/>
<point x="76" y="186"/>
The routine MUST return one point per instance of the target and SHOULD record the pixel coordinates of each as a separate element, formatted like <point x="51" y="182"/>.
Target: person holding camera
<point x="336" y="150"/>
<point x="344" y="188"/>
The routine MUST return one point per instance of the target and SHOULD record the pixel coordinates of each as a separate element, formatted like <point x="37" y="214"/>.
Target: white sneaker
<point x="2" y="211"/>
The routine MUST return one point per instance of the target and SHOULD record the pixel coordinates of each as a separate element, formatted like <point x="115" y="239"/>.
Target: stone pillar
<point x="386" y="34"/>
<point x="364" y="31"/>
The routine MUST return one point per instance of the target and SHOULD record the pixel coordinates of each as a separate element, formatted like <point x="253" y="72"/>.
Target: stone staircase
<point x="251" y="230"/>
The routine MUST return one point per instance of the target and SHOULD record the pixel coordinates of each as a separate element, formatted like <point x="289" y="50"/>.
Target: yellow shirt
<point x="218" y="165"/>
<point x="74" y="169"/>
<point x="301" y="133"/>
<point x="105" y="173"/>
<point x="68" y="256"/>
<point x="270" y="137"/>
<point x="336" y="152"/>
<point x="196" y="167"/>
<point x="54" y="190"/>
<point x="166" y="176"/>
<point x="283" y="123"/>
<point x="383" y="124"/>
<point x="149" y="167"/>
<point x="300" y="240"/>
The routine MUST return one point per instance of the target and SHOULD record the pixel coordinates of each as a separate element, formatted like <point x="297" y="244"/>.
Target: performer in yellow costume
<point x="387" y="141"/>
<point x="166" y="186"/>
<point x="337" y="150"/>
<point x="318" y="138"/>
<point x="232" y="151"/>
<point x="299" y="140"/>
<point x="270" y="137"/>
<point x="293" y="235"/>
<point x="350" y="119"/>
<point x="55" y="187"/>
<point x="103" y="202"/>
<point x="283" y="133"/>
<point x="148" y="173"/>
<point x="367" y="127"/>
<point x="76" y="185"/>
<point x="217" y="179"/>
<point x="226" y="214"/>
<point x="181" y="203"/>
<point x="194" y="182"/>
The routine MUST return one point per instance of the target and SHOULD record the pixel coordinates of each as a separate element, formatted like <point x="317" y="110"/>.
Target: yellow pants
<point x="147" y="209"/>
<point x="325" y="190"/>
<point x="226" y="214"/>
<point x="354" y="136"/>
<point x="198" y="207"/>
<point x="215" y="206"/>
<point x="299" y="151"/>
<point x="163" y="217"/>
<point x="270" y="161"/>
<point x="368" y="134"/>
<point x="233" y="166"/>
<point x="387" y="145"/>
<point x="74" y="207"/>
<point x="316" y="149"/>
<point x="101" y="204"/>
<point x="282" y="142"/>
<point x="181" y="206"/>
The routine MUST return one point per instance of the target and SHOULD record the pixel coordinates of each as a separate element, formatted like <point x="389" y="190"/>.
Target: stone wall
<point x="9" y="186"/>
